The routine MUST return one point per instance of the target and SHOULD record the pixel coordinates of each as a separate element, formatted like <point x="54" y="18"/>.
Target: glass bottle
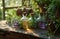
<point x="39" y="18"/>
<point x="24" y="20"/>
<point x="32" y="21"/>
<point x="16" y="25"/>
<point x="40" y="21"/>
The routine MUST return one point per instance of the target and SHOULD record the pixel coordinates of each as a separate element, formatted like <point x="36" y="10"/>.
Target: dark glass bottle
<point x="41" y="21"/>
<point x="32" y="21"/>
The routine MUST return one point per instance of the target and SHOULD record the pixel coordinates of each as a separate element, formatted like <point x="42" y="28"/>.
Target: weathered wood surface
<point x="15" y="35"/>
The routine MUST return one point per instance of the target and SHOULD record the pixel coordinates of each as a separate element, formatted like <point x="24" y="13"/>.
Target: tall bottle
<point x="41" y="21"/>
<point x="24" y="20"/>
<point x="39" y="18"/>
<point x="32" y="21"/>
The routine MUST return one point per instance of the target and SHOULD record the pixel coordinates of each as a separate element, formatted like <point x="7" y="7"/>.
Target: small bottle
<point x="32" y="21"/>
<point x="41" y="23"/>
<point x="16" y="25"/>
<point x="24" y="20"/>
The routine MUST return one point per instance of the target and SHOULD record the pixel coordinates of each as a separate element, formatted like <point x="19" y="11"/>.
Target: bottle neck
<point x="23" y="15"/>
<point x="30" y="15"/>
<point x="39" y="16"/>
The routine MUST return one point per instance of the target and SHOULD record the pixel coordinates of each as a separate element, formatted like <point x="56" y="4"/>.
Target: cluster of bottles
<point x="30" y="21"/>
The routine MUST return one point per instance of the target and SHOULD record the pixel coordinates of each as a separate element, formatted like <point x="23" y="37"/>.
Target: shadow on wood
<point x="15" y="35"/>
